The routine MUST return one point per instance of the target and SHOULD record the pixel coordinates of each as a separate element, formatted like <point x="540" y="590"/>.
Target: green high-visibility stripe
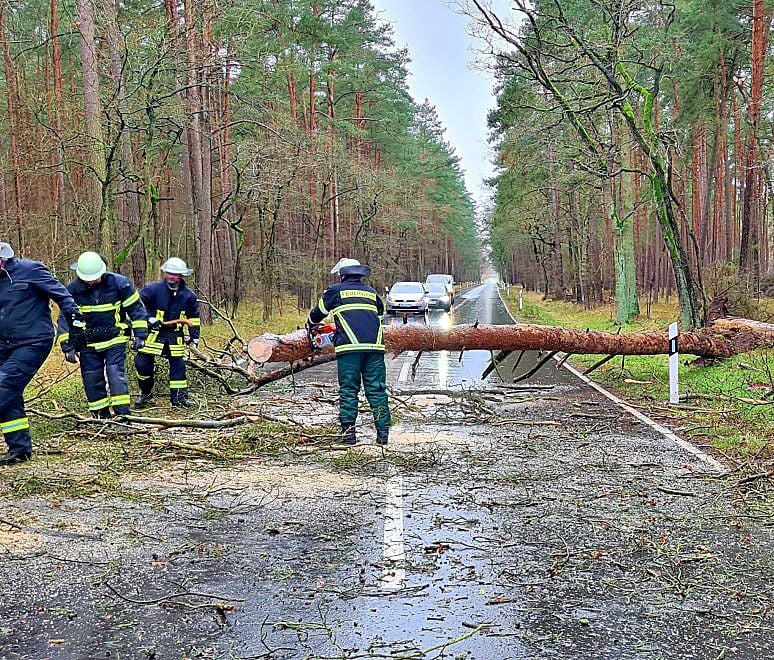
<point x="178" y="384"/>
<point x="91" y="309"/>
<point x="351" y="307"/>
<point x="359" y="347"/>
<point x="100" y="404"/>
<point x="102" y="345"/>
<point x="347" y="330"/>
<point x="131" y="299"/>
<point x="120" y="400"/>
<point x="18" y="424"/>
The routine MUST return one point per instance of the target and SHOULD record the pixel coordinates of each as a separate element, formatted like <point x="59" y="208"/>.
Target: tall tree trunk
<point x="128" y="200"/>
<point x="13" y="129"/>
<point x="97" y="181"/>
<point x="622" y="205"/>
<point x="56" y="116"/>
<point x="202" y="207"/>
<point x="748" y="247"/>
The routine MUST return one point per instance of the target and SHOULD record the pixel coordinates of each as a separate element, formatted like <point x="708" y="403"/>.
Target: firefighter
<point x="172" y="307"/>
<point x="26" y="338"/>
<point x="357" y="311"/>
<point x="113" y="310"/>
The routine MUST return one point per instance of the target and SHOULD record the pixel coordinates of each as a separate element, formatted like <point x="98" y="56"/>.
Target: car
<point x="438" y="297"/>
<point x="407" y="297"/>
<point x="446" y="280"/>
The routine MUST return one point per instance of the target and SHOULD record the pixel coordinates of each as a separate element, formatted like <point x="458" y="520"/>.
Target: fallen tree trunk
<point x="732" y="324"/>
<point x="745" y="334"/>
<point x="415" y="337"/>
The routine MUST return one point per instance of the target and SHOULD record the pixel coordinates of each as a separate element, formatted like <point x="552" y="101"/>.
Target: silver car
<point x="407" y="297"/>
<point x="446" y="280"/>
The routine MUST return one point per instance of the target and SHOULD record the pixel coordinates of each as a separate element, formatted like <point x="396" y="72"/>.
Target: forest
<point x="634" y="147"/>
<point x="260" y="140"/>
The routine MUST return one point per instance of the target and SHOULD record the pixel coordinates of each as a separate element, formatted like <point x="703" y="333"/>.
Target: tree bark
<point x="524" y="337"/>
<point x="93" y="122"/>
<point x="128" y="201"/>
<point x="748" y="246"/>
<point x="10" y="78"/>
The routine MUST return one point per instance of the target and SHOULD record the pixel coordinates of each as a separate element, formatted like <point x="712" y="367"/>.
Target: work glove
<point x="192" y="342"/>
<point x="78" y="321"/>
<point x="71" y="356"/>
<point x="138" y="343"/>
<point x="154" y="324"/>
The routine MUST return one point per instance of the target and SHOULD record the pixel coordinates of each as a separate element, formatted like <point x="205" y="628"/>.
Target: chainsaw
<point x="320" y="335"/>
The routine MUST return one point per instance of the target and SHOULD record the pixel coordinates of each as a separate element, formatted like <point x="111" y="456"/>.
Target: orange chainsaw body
<point x="322" y="335"/>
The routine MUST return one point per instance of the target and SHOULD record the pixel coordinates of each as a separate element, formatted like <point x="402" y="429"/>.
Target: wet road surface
<point x="513" y="523"/>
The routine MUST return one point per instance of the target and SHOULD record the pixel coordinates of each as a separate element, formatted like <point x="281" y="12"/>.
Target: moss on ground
<point x="715" y="412"/>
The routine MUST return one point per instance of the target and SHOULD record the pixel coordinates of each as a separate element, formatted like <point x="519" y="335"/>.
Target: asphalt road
<point x="499" y="523"/>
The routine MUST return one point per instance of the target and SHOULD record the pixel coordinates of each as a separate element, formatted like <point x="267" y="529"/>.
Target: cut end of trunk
<point x="259" y="349"/>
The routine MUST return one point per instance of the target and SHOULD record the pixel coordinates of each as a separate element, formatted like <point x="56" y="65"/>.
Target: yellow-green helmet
<point x="90" y="267"/>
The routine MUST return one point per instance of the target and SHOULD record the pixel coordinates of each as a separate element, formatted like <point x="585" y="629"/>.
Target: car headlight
<point x="390" y="299"/>
<point x="444" y="298"/>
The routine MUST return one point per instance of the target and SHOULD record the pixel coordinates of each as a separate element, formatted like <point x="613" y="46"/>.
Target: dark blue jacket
<point x="357" y="311"/>
<point x="167" y="305"/>
<point x="26" y="287"/>
<point x="110" y="308"/>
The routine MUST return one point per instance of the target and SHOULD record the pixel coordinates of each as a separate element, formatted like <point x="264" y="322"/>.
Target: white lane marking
<point x="394" y="551"/>
<point x="404" y="373"/>
<point x="698" y="453"/>
<point x="663" y="430"/>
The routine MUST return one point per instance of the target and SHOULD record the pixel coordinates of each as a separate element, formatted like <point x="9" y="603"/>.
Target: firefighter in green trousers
<point x="357" y="311"/>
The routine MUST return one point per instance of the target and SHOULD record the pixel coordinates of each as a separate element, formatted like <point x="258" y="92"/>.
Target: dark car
<point x="407" y="297"/>
<point x="438" y="297"/>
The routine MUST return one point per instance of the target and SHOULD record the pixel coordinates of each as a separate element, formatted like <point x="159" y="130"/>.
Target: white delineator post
<point x="674" y="395"/>
<point x="521" y="299"/>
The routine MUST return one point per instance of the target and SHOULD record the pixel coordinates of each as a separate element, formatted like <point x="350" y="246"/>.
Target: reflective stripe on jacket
<point x="168" y="305"/>
<point x="357" y="310"/>
<point x="111" y="308"/>
<point x="26" y="287"/>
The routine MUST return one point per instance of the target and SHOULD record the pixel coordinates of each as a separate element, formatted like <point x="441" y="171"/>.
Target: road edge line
<point x="663" y="430"/>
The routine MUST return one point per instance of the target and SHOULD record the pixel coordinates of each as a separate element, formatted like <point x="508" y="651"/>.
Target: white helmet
<point x="89" y="267"/>
<point x="176" y="266"/>
<point x="6" y="251"/>
<point x="344" y="263"/>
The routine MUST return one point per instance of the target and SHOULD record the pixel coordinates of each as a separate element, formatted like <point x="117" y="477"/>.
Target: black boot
<point x="143" y="399"/>
<point x="382" y="435"/>
<point x="348" y="436"/>
<point x="14" y="457"/>
<point x="183" y="402"/>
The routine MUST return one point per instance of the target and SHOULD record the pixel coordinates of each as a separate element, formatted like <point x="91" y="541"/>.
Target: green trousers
<point x="368" y="367"/>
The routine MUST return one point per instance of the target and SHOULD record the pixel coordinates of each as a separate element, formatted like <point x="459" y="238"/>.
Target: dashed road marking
<point x="394" y="550"/>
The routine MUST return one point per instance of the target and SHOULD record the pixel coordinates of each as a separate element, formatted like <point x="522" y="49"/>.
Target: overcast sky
<point x="441" y="71"/>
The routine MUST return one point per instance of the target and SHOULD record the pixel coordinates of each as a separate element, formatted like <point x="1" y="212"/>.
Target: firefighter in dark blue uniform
<point x="112" y="309"/>
<point x="26" y="338"/>
<point x="357" y="311"/>
<point x="172" y="307"/>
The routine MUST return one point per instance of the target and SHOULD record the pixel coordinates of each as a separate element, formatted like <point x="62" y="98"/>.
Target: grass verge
<point x="725" y="405"/>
